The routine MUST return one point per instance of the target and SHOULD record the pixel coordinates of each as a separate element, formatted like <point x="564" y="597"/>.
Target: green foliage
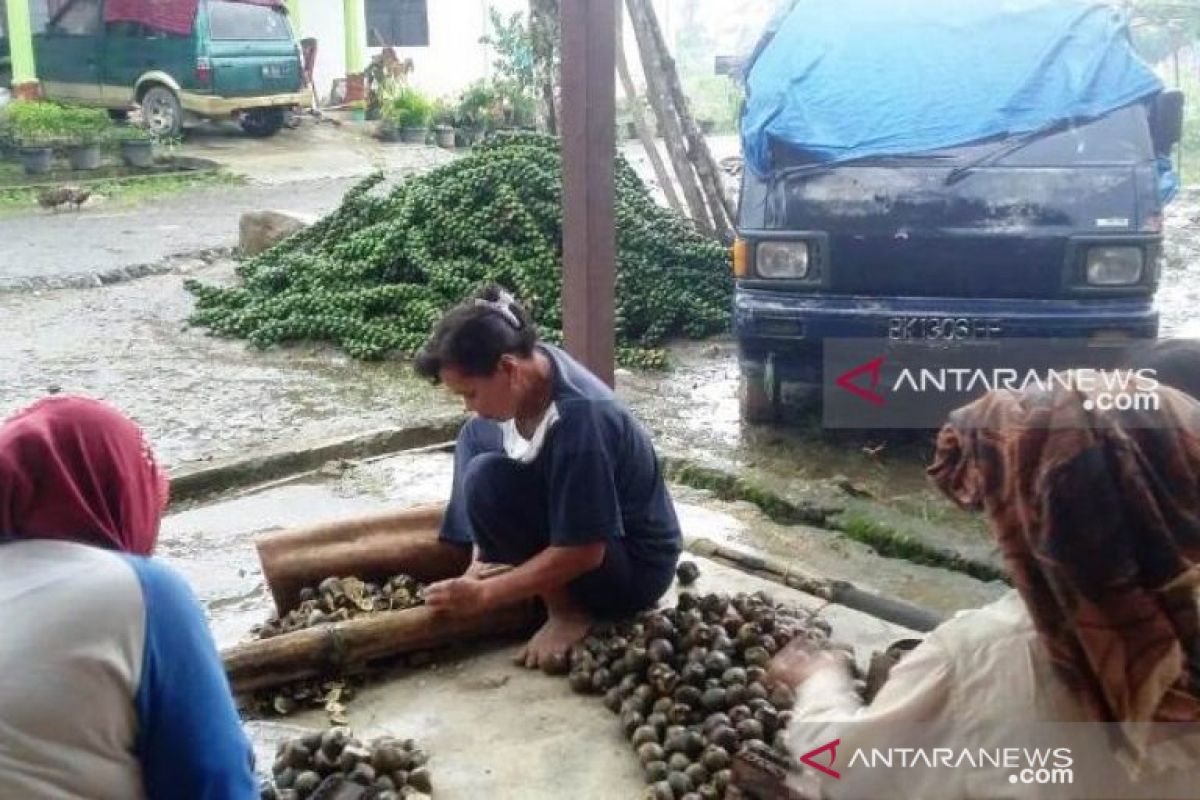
<point x="28" y="123"/>
<point x="716" y="98"/>
<point x="514" y="49"/>
<point x="408" y="108"/>
<point x="375" y="276"/>
<point x="487" y="106"/>
<point x="1180" y="16"/>
<point x="129" y="133"/>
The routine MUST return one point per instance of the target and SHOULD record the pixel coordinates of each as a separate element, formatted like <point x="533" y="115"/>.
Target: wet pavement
<point x="305" y="170"/>
<point x="198" y="397"/>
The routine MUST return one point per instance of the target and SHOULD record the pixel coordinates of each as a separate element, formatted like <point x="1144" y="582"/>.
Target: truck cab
<point x="1050" y="232"/>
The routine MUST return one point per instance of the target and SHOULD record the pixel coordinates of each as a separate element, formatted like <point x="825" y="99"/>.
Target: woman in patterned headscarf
<point x="110" y="684"/>
<point x="1097" y="515"/>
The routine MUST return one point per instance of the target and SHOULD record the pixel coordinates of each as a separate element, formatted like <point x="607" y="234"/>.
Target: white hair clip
<point x="502" y="306"/>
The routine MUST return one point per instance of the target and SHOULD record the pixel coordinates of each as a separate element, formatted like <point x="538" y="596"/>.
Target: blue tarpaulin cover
<point x="856" y="78"/>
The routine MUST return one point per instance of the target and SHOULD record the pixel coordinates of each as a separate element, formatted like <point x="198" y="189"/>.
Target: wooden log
<point x="346" y="647"/>
<point x="668" y="122"/>
<point x="643" y="130"/>
<point x="373" y="547"/>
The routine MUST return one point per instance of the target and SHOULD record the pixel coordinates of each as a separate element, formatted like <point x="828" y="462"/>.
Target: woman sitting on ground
<point x="110" y="685"/>
<point x="552" y="475"/>
<point x="1097" y="515"/>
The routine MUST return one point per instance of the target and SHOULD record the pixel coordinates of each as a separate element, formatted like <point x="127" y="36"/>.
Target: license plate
<point x="273" y="71"/>
<point x="939" y="329"/>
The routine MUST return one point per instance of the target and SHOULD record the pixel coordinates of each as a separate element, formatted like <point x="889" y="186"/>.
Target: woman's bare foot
<point x="567" y="625"/>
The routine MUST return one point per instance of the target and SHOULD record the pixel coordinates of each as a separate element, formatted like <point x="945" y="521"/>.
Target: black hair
<point x="475" y="335"/>
<point x="1176" y="363"/>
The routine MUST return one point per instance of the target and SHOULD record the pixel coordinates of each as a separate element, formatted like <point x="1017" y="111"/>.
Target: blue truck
<point x="949" y="170"/>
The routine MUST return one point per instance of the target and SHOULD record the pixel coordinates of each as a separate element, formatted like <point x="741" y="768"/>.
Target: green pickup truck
<point x="240" y="60"/>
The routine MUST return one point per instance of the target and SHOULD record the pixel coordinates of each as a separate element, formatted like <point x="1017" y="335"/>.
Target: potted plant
<point x="136" y="145"/>
<point x="473" y="117"/>
<point x="33" y="128"/>
<point x="358" y="110"/>
<point x="84" y="130"/>
<point x="408" y="112"/>
<point x="443" y="125"/>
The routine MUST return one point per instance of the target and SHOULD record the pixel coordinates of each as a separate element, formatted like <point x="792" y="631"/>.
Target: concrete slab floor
<point x="212" y="544"/>
<point x="498" y="731"/>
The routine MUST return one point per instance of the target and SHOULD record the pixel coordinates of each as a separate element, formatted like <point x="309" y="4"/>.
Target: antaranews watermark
<point x="885" y="384"/>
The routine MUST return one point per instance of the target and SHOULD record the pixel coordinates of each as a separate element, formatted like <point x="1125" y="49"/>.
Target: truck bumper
<point x="789" y="329"/>
<point x="205" y="105"/>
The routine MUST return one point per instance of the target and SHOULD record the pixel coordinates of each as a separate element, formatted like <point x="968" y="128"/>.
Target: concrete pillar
<point x="20" y="41"/>
<point x="294" y="14"/>
<point x="356" y="25"/>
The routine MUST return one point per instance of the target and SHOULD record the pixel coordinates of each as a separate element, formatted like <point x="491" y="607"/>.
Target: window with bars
<point x="397" y="23"/>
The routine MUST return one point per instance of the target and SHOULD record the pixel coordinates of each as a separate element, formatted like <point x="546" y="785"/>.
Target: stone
<point x="259" y="231"/>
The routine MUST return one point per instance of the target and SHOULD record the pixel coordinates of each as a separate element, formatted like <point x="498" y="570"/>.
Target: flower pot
<point x="446" y="137"/>
<point x="387" y="132"/>
<point x="84" y="156"/>
<point x="630" y="131"/>
<point x="358" y="115"/>
<point x="138" y="153"/>
<point x="37" y="160"/>
<point x="413" y="135"/>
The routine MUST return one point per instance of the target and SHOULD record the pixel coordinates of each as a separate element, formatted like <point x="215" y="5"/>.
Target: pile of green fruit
<point x="375" y="275"/>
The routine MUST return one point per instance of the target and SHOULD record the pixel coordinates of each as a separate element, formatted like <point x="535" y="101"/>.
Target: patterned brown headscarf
<point x="1097" y="515"/>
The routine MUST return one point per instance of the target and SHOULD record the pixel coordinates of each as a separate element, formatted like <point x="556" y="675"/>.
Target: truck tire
<point x="758" y="401"/>
<point x="262" y="122"/>
<point x="162" y="113"/>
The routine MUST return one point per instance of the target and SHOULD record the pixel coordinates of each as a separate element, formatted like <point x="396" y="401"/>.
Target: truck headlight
<point x="782" y="260"/>
<point x="1114" y="266"/>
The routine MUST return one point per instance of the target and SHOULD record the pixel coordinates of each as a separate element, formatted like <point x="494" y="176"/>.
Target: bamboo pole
<point x="371" y="547"/>
<point x="346" y="647"/>
<point x="668" y="123"/>
<point x="697" y="147"/>
<point x="643" y="130"/>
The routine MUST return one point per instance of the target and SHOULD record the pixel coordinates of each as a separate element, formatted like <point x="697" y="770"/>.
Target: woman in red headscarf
<point x="110" y="684"/>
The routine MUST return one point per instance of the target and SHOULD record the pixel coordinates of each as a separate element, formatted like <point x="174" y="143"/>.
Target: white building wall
<point x="453" y="60"/>
<point x="322" y="20"/>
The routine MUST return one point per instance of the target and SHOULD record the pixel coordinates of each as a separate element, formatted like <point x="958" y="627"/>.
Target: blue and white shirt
<point x="110" y="684"/>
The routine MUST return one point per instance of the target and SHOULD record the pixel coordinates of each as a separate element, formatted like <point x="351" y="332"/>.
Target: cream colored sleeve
<point x="914" y="701"/>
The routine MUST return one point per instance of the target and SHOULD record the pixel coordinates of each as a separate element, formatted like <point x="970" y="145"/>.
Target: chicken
<point x="56" y="196"/>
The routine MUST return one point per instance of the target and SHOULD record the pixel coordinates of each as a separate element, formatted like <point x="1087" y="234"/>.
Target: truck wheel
<point x="262" y="122"/>
<point x="162" y="113"/>
<point x="759" y="402"/>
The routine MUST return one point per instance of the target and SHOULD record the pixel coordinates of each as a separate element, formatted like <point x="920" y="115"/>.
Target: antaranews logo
<point x="872" y="369"/>
<point x="869" y="385"/>
<point x="1025" y="765"/>
<point x="830" y="747"/>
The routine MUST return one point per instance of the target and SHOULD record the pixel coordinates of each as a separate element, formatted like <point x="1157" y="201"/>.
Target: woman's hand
<point x="800" y="660"/>
<point x="465" y="595"/>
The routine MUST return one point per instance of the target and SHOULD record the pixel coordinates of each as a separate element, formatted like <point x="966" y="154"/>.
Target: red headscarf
<point x="76" y="469"/>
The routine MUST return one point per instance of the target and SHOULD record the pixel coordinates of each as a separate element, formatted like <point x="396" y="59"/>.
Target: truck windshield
<point x="232" y="20"/>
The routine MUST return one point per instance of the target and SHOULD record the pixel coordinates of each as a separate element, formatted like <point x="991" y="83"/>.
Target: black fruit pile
<point x="374" y="276"/>
<point x="689" y="684"/>
<point x="341" y="599"/>
<point x="389" y="767"/>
